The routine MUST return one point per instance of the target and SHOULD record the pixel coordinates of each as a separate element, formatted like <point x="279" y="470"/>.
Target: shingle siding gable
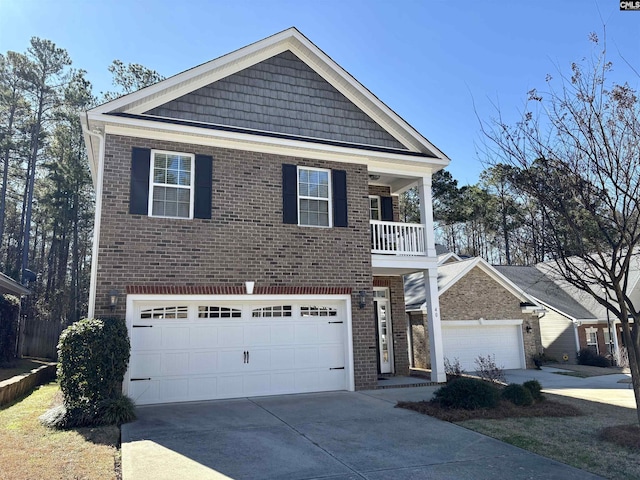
<point x="282" y="95"/>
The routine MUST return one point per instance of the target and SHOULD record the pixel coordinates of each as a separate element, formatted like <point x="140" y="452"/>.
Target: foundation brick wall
<point x="244" y="240"/>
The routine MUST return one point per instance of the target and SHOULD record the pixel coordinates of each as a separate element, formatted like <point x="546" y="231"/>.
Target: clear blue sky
<point x="429" y="60"/>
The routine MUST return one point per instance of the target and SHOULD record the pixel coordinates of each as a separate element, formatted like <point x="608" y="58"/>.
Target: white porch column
<point x="614" y="334"/>
<point x="426" y="214"/>
<point x="433" y="322"/>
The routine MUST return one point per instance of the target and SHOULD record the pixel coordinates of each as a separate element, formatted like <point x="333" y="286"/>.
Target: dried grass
<point x="627" y="436"/>
<point x="30" y="450"/>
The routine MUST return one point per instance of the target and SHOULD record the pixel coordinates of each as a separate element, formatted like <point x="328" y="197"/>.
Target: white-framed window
<point x="374" y="207"/>
<point x="608" y="336"/>
<point x="314" y="197"/>
<point x="158" y="313"/>
<point x="592" y="338"/>
<point x="316" y="311"/>
<point x="275" y="311"/>
<point x="171" y="184"/>
<point x="211" y="311"/>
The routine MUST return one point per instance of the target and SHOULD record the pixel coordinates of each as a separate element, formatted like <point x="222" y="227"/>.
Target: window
<point x="164" y="312"/>
<point x="277" y="311"/>
<point x="207" y="311"/>
<point x="607" y="336"/>
<point x="592" y="337"/>
<point x="171" y="184"/>
<point x="374" y="207"/>
<point x="315" y="311"/>
<point x="314" y="197"/>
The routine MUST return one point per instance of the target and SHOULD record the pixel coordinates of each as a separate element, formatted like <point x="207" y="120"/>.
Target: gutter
<point x="97" y="217"/>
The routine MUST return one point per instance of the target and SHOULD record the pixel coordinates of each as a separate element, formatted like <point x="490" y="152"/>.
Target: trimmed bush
<point x="518" y="395"/>
<point x="535" y="389"/>
<point x="93" y="355"/>
<point x="587" y="356"/>
<point x="468" y="394"/>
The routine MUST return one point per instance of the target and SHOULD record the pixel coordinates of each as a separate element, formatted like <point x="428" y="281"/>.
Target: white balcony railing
<point x="396" y="238"/>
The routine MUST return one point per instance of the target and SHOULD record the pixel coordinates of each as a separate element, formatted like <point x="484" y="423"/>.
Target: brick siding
<point x="245" y="240"/>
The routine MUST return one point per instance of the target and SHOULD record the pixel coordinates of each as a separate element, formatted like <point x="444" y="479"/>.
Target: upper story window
<point x="314" y="199"/>
<point x="171" y="184"/>
<point x="374" y="207"/>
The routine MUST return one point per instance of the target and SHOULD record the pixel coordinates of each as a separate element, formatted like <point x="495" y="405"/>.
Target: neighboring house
<point x="573" y="319"/>
<point x="482" y="313"/>
<point x="246" y="227"/>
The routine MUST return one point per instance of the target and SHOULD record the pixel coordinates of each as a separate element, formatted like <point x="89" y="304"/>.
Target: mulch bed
<point x="546" y="408"/>
<point x="622" y="435"/>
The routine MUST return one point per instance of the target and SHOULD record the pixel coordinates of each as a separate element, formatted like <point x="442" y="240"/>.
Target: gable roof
<point x="449" y="274"/>
<point x="292" y="40"/>
<point x="545" y="290"/>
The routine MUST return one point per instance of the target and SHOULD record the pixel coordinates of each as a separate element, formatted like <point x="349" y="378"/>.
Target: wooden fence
<point x="39" y="339"/>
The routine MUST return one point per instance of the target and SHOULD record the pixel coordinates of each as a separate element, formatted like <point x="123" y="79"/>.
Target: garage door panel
<point x="145" y="365"/>
<point x="230" y="386"/>
<point x="231" y="336"/>
<point x="204" y="337"/>
<point x="306" y="334"/>
<point x="285" y="334"/>
<point x="202" y="355"/>
<point x="145" y="338"/>
<point x="282" y="358"/>
<point x="203" y="388"/>
<point x="174" y="389"/>
<point x="203" y="362"/>
<point x="256" y="335"/>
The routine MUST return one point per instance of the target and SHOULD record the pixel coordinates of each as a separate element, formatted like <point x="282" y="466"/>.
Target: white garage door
<point x="202" y="350"/>
<point x="466" y="343"/>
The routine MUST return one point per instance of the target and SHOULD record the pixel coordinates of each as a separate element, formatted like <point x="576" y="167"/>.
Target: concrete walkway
<point x="330" y="436"/>
<point x="612" y="389"/>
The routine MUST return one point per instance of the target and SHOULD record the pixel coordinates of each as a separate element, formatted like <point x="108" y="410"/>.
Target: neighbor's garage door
<point x="468" y="342"/>
<point x="186" y="351"/>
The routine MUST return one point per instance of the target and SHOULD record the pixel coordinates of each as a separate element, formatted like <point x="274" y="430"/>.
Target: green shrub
<point x="518" y="395"/>
<point x="587" y="356"/>
<point x="117" y="410"/>
<point x="468" y="394"/>
<point x="535" y="389"/>
<point x="93" y="355"/>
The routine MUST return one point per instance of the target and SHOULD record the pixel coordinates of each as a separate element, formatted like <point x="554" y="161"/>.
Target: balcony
<point x="398" y="248"/>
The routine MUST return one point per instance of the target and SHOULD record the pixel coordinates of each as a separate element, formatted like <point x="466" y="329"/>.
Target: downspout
<point x="96" y="222"/>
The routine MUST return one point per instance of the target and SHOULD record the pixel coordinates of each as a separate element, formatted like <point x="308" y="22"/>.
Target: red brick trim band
<point x="233" y="290"/>
<point x="381" y="282"/>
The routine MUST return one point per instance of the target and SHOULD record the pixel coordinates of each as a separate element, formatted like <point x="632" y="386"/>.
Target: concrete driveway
<point x="612" y="389"/>
<point x="330" y="436"/>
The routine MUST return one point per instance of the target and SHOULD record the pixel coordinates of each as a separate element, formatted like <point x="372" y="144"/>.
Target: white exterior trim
<point x="257" y="299"/>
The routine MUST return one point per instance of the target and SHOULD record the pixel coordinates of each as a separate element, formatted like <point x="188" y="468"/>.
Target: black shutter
<point x="339" y="181"/>
<point x="203" y="184"/>
<point x="139" y="189"/>
<point x="386" y="209"/>
<point x="289" y="194"/>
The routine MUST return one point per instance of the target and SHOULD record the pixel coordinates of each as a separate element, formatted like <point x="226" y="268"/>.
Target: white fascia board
<point x="384" y="162"/>
<point x="462" y="273"/>
<point x="290" y="39"/>
<point x="480" y="322"/>
<point x="91" y="153"/>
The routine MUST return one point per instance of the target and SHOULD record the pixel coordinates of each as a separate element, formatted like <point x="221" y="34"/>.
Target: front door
<point x="383" y="322"/>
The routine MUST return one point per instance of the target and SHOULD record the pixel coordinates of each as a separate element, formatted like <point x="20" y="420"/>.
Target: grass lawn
<point x="19" y="367"/>
<point x="32" y="451"/>
<point x="573" y="440"/>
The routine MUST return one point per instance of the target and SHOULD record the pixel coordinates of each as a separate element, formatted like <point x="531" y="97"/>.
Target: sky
<point x="444" y="66"/>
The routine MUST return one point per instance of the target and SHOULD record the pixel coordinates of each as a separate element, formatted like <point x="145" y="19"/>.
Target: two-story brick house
<point x="247" y="227"/>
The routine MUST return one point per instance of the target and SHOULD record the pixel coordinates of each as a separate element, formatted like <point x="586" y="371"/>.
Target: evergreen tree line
<point x="46" y="195"/>
<point x="492" y="219"/>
